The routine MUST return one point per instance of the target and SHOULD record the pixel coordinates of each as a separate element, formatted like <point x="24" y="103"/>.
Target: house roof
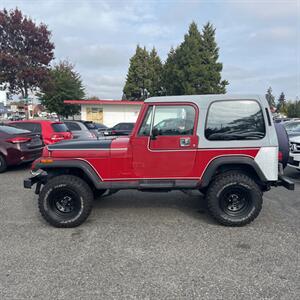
<point x="101" y="102"/>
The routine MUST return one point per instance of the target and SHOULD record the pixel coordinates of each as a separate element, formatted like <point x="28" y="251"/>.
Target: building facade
<point x="108" y="112"/>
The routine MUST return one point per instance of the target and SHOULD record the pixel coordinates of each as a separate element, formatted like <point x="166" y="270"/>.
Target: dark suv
<point x="119" y="129"/>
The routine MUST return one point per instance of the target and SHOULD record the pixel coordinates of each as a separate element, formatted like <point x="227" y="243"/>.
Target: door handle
<point x="185" y="142"/>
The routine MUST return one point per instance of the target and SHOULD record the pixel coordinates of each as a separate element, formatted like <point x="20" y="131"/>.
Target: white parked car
<point x="294" y="160"/>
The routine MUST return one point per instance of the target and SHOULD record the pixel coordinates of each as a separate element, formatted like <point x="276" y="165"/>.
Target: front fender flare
<point x="75" y="164"/>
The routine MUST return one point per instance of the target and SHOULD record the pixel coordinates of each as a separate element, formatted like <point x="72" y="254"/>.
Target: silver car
<point x="79" y="130"/>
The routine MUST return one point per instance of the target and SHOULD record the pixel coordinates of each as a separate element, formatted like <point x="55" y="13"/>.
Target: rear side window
<point x="12" y="130"/>
<point x="33" y="127"/>
<point x="90" y="125"/>
<point x="99" y="126"/>
<point x="126" y="126"/>
<point x="59" y="127"/>
<point x="235" y="120"/>
<point x="73" y="126"/>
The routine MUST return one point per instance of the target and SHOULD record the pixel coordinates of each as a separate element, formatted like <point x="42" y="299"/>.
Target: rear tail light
<point x="280" y="156"/>
<point x="19" y="140"/>
<point x="57" y="137"/>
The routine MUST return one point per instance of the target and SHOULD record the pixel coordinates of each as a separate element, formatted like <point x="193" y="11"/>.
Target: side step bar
<point x="285" y="182"/>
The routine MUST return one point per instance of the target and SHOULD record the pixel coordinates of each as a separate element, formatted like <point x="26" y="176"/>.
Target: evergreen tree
<point x="170" y="80"/>
<point x="293" y="109"/>
<point x="270" y="97"/>
<point x="195" y="64"/>
<point x="155" y="74"/>
<point x="64" y="84"/>
<point x="281" y="106"/>
<point x="189" y="61"/>
<point x="138" y="82"/>
<point x="212" y="82"/>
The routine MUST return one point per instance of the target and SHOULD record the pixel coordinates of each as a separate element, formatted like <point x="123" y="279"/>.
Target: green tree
<point x="64" y="84"/>
<point x="137" y="82"/>
<point x="270" y="98"/>
<point x="293" y="109"/>
<point x="171" y="74"/>
<point x="195" y="64"/>
<point x="155" y="74"/>
<point x="281" y="106"/>
<point x="212" y="82"/>
<point x="183" y="68"/>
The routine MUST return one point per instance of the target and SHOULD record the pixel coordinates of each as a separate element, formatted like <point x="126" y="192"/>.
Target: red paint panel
<point x="120" y="143"/>
<point x="137" y="161"/>
<point x="205" y="156"/>
<point x="84" y="154"/>
<point x="172" y="143"/>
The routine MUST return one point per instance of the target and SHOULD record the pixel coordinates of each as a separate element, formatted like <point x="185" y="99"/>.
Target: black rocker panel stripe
<point x="73" y="145"/>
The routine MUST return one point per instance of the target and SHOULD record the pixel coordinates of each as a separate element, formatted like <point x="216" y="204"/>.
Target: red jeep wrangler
<point x="224" y="146"/>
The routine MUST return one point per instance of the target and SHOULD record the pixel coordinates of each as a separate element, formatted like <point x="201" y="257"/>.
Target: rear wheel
<point x="65" y="201"/>
<point x="3" y="164"/>
<point x="234" y="199"/>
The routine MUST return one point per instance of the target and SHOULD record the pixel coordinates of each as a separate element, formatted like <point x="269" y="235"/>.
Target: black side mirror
<point x="154" y="133"/>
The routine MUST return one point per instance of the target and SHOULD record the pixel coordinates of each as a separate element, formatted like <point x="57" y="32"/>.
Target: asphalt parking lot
<point x="148" y="246"/>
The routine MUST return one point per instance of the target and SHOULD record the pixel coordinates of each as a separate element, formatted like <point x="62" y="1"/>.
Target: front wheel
<point x="234" y="199"/>
<point x="65" y="201"/>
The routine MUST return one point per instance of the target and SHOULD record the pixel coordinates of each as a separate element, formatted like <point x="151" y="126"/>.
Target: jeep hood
<point x="88" y="148"/>
<point x="81" y="145"/>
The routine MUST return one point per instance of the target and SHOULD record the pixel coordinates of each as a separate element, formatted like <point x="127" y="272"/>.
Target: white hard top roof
<point x="204" y="100"/>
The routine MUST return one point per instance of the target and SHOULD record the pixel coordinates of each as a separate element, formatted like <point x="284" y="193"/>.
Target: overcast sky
<point x="259" y="40"/>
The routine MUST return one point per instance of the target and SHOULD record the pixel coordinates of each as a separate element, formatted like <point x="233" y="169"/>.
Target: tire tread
<point x="218" y="183"/>
<point x="80" y="184"/>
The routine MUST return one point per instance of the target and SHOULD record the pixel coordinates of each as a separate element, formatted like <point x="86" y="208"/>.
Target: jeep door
<point x="166" y="142"/>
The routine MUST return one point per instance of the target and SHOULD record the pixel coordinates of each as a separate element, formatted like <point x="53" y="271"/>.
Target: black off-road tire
<point x="54" y="193"/>
<point x="3" y="164"/>
<point x="222" y="195"/>
<point x="283" y="143"/>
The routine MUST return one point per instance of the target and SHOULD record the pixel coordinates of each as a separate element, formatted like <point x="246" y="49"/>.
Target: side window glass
<point x="38" y="128"/>
<point x="29" y="126"/>
<point x="73" y="126"/>
<point x="235" y="120"/>
<point x="146" y="125"/>
<point x="174" y="120"/>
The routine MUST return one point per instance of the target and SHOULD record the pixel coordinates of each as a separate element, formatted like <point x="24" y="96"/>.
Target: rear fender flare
<point x="226" y="161"/>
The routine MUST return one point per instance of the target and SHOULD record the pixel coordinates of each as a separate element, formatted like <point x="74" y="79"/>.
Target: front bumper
<point x="38" y="179"/>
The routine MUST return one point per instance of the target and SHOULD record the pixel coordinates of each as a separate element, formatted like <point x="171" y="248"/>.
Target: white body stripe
<point x="267" y="160"/>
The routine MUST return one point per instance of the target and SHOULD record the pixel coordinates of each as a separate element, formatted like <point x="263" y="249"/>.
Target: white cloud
<point x="268" y="9"/>
<point x="275" y="33"/>
<point x="153" y="30"/>
<point x="257" y="38"/>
